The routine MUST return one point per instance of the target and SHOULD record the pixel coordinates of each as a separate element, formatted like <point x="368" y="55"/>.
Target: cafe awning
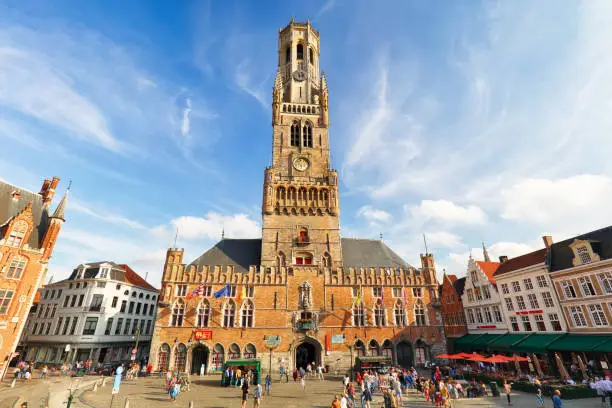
<point x="578" y="342"/>
<point x="605" y="347"/>
<point x="374" y="359"/>
<point x="463" y="343"/>
<point x="507" y="342"/>
<point x="482" y="342"/>
<point x="536" y="343"/>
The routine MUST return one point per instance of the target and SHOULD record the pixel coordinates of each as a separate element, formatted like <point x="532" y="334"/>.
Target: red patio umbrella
<point x="447" y="356"/>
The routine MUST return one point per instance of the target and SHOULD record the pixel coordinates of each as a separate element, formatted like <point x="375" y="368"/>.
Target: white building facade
<point x="528" y="295"/>
<point x="481" y="301"/>
<point x="99" y="313"/>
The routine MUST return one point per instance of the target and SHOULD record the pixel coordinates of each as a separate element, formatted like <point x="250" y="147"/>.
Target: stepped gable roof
<point x="370" y="253"/>
<point x="489" y="269"/>
<point x="523" y="261"/>
<point x="121" y="273"/>
<point x="10" y="207"/>
<point x="459" y="285"/>
<point x="242" y="253"/>
<point x="561" y="255"/>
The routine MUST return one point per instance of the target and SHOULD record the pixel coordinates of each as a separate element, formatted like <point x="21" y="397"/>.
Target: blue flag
<point x="223" y="292"/>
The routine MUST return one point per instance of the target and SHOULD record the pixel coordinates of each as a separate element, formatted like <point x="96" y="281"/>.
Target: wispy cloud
<point x="185" y="123"/>
<point x="244" y="82"/>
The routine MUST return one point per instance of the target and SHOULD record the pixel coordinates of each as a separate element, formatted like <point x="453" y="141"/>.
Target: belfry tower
<point x="300" y="198"/>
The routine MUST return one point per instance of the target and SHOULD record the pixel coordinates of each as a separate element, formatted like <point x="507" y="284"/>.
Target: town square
<point x="305" y="204"/>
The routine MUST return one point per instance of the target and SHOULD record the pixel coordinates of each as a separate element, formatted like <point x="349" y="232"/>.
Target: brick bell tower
<point x="300" y="205"/>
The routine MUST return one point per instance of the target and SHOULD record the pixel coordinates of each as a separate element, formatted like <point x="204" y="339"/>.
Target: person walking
<point x="245" y="394"/>
<point x="540" y="399"/>
<point x="507" y="389"/>
<point x="303" y="382"/>
<point x="336" y="402"/>
<point x="320" y="372"/>
<point x="282" y="373"/>
<point x="257" y="395"/>
<point x="556" y="399"/>
<point x="268" y="382"/>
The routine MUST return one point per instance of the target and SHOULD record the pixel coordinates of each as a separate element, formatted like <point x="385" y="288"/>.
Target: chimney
<point x="548" y="241"/>
<point x="47" y="191"/>
<point x="503" y="259"/>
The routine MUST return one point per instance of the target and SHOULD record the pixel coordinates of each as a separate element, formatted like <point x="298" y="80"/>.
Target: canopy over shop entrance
<point x="536" y="343"/>
<point x="579" y="342"/>
<point x="507" y="342"/>
<point x="479" y="342"/>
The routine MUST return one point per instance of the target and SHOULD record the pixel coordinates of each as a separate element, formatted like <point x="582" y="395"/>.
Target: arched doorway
<point x="199" y="356"/>
<point x="404" y="354"/>
<point x="307" y="353"/>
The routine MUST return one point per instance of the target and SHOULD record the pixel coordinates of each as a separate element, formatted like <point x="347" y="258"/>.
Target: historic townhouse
<point x="28" y="232"/>
<point x="453" y="315"/>
<point x="301" y="293"/>
<point x="481" y="301"/>
<point x="581" y="270"/>
<point x="528" y="295"/>
<point x="98" y="313"/>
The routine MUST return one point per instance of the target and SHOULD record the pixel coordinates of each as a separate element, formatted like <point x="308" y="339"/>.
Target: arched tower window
<point x="246" y="314"/>
<point x="288" y="54"/>
<point x="311" y="56"/>
<point x="300" y="52"/>
<point x="307" y="135"/>
<point x="204" y="314"/>
<point x="295" y="134"/>
<point x="399" y="313"/>
<point x="178" y="313"/>
<point x="419" y="314"/>
<point x="229" y="314"/>
<point x="374" y="348"/>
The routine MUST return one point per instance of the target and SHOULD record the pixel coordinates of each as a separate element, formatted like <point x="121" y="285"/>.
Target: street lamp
<point x="270" y="363"/>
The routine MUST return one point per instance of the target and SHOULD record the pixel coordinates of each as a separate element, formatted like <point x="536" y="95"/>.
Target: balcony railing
<point x="299" y="241"/>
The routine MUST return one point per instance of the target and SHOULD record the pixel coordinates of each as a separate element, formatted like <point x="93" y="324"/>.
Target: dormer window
<point x="80" y="273"/>
<point x="104" y="273"/>
<point x="17" y="234"/>
<point x="474" y="275"/>
<point x="583" y="252"/>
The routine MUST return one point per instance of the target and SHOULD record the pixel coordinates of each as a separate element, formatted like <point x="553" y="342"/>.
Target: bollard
<point x="13" y="383"/>
<point x="104" y="381"/>
<point x="127" y="403"/>
<point x="190" y="404"/>
<point x="95" y="387"/>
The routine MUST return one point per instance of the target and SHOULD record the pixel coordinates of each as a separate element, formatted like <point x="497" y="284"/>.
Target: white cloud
<point x="210" y="226"/>
<point x="444" y="239"/>
<point x="449" y="212"/>
<point x="373" y="214"/>
<point x="185" y="122"/>
<point x="244" y="82"/>
<point x="117" y="219"/>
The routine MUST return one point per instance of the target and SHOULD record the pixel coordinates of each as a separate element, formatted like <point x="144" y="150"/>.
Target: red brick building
<point x="28" y="232"/>
<point x="453" y="316"/>
<point x="301" y="289"/>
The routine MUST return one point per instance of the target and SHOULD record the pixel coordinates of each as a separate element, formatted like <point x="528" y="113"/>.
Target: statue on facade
<point x="305" y="295"/>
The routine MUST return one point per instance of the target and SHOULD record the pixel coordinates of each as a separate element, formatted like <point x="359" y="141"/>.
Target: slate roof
<point x="489" y="269"/>
<point x="242" y="253"/>
<point x="560" y="255"/>
<point x="118" y="272"/>
<point x="520" y="262"/>
<point x="10" y="207"/>
<point x="459" y="285"/>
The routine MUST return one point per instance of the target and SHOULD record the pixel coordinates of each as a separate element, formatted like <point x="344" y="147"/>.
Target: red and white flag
<point x="199" y="291"/>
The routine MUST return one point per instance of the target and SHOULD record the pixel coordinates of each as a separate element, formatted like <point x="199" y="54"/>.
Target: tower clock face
<point x="299" y="75"/>
<point x="301" y="164"/>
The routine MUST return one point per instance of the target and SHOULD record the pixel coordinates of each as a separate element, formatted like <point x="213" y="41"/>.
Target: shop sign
<point x="202" y="334"/>
<point x="274" y="341"/>
<point x="337" y="338"/>
<point x="486" y="327"/>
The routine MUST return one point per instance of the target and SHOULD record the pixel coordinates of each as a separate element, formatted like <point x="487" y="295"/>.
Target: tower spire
<point x="60" y="210"/>
<point x="485" y="253"/>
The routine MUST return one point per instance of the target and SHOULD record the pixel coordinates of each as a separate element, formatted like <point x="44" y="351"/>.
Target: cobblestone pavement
<point x="206" y="393"/>
<point x="52" y="391"/>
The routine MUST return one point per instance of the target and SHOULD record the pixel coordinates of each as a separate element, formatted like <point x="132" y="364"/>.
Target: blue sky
<point x="476" y="121"/>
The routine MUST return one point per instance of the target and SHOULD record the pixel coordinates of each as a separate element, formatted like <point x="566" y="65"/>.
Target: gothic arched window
<point x="204" y="314"/>
<point x="16" y="267"/>
<point x="399" y="313"/>
<point x="163" y="357"/>
<point x="387" y="348"/>
<point x="295" y="134"/>
<point x="246" y="314"/>
<point x="360" y="349"/>
<point x="229" y="314"/>
<point x="327" y="259"/>
<point x="358" y="315"/>
<point x="178" y="313"/>
<point x="311" y="56"/>
<point x="280" y="259"/>
<point x="180" y="358"/>
<point x="250" y="351"/>
<point x="379" y="314"/>
<point x="374" y="348"/>
<point x="307" y="135"/>
<point x="234" y="352"/>
<point x="419" y="314"/>
<point x="218" y="357"/>
<point x="300" y="51"/>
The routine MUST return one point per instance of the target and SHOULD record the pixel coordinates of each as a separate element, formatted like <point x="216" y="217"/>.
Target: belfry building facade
<point x="301" y="293"/>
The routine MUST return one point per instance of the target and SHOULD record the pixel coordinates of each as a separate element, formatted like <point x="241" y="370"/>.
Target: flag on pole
<point x="225" y="292"/>
<point x="358" y="297"/>
<point x="241" y="294"/>
<point x="199" y="291"/>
